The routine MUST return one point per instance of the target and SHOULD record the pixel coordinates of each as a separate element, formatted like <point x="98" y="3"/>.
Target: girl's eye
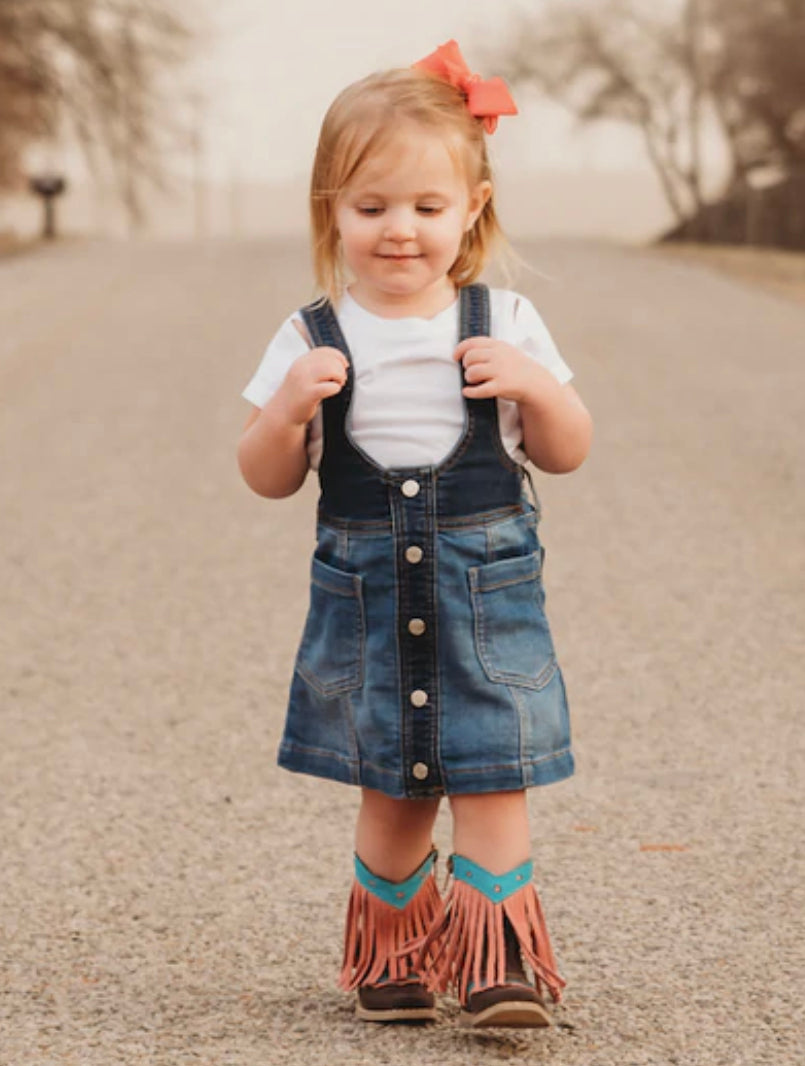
<point x="369" y="210"/>
<point x="428" y="209"/>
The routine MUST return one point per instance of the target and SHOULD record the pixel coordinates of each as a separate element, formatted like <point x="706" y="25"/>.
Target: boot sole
<point x="512" y="1015"/>
<point x="417" y="1015"/>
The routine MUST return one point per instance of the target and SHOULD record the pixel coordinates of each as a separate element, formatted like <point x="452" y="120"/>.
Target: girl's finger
<point x="470" y="342"/>
<point x="328" y="388"/>
<point x="476" y="355"/>
<point x="334" y="355"/>
<point x="332" y="373"/>
<point x="476" y="373"/>
<point x="480" y="392"/>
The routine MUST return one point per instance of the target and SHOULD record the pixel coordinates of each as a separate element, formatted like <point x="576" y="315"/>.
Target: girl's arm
<point x="272" y="451"/>
<point x="557" y="428"/>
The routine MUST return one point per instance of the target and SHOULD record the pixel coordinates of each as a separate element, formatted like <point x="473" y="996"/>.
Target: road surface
<point x="168" y="896"/>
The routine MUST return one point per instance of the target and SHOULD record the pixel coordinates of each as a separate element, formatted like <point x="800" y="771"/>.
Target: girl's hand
<point x="311" y="378"/>
<point x="556" y="425"/>
<point x="495" y="368"/>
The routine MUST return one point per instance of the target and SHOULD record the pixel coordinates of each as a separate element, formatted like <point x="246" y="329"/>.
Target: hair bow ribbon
<point x="487" y="99"/>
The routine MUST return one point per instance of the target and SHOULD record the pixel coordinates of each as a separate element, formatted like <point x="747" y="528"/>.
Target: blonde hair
<point x="359" y="123"/>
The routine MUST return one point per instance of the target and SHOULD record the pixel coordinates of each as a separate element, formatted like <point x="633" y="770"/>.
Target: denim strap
<point x="473" y="312"/>
<point x="396" y="893"/>
<point x="322" y="323"/>
<point x="325" y="332"/>
<point x="496" y="887"/>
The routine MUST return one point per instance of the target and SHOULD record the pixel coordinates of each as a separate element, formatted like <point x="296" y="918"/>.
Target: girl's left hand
<point x="495" y="368"/>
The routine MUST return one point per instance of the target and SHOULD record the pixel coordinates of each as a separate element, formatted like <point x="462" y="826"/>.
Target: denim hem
<point x="546" y="771"/>
<point x="514" y="778"/>
<point x="318" y="764"/>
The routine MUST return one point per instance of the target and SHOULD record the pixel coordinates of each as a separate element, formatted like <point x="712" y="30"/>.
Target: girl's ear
<point x="479" y="197"/>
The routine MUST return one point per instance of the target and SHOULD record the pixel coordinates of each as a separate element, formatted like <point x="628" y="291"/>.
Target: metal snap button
<point x="410" y="488"/>
<point x="416" y="627"/>
<point x="420" y="771"/>
<point x="419" y="698"/>
<point x="414" y="554"/>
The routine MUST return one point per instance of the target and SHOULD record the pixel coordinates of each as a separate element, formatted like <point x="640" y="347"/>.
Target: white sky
<point x="269" y="69"/>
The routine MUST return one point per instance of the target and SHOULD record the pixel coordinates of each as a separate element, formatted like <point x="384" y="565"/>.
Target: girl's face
<point x="401" y="220"/>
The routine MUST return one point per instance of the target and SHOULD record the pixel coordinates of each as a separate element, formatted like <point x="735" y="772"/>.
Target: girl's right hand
<point x="311" y="378"/>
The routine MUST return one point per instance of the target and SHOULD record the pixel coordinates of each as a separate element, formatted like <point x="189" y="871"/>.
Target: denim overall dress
<point x="426" y="665"/>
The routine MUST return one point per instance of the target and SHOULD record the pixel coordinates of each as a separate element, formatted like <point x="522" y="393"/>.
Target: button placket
<point x="413" y="506"/>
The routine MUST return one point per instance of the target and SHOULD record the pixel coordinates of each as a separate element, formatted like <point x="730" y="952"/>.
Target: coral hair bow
<point x="487" y="99"/>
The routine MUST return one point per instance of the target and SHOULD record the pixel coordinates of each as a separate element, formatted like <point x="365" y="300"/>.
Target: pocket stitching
<point x="481" y="628"/>
<point x="354" y="679"/>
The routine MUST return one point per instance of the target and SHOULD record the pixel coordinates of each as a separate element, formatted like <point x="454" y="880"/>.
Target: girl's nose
<point x="400" y="225"/>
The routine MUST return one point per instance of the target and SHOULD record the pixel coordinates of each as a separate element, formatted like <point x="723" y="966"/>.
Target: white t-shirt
<point x="407" y="408"/>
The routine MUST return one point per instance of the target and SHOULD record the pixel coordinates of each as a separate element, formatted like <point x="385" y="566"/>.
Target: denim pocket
<point x="330" y="654"/>
<point x="512" y="637"/>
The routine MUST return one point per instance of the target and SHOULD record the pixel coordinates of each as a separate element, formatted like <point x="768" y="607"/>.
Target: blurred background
<point x="639" y="118"/>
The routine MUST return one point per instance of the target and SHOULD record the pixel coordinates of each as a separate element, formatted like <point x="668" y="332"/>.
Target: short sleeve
<point x="517" y="321"/>
<point x="514" y="319"/>
<point x="286" y="346"/>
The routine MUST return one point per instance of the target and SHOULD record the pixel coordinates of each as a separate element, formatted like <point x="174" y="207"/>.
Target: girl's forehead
<point x="412" y="156"/>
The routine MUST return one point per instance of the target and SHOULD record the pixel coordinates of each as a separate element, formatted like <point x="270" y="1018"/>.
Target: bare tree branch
<point x="97" y="69"/>
<point x="668" y="73"/>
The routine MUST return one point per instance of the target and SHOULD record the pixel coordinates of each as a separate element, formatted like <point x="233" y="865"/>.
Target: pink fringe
<point x="382" y="942"/>
<point x="466" y="947"/>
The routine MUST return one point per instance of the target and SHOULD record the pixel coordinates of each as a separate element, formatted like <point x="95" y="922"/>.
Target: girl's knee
<point x="490" y="807"/>
<point x="396" y="812"/>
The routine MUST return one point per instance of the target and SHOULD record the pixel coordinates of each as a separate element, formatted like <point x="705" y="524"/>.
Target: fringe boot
<point x="488" y="926"/>
<point x="387" y="923"/>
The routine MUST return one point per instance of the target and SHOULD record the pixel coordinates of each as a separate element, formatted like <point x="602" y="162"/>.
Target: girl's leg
<point x="491" y="829"/>
<point x="393" y="904"/>
<point x="493" y="920"/>
<point x="394" y="836"/>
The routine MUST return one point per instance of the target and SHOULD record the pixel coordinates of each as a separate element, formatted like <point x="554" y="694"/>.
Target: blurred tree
<point x="606" y="60"/>
<point x="96" y="70"/>
<point x="670" y="70"/>
<point x="23" y="111"/>
<point x="758" y="81"/>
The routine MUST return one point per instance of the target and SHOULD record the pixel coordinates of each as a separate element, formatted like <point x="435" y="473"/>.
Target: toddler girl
<point x="426" y="667"/>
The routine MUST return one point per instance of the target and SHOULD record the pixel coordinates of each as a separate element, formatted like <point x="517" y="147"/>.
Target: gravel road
<point x="168" y="896"/>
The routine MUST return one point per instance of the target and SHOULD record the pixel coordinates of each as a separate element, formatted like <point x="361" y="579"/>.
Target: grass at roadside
<point x="777" y="271"/>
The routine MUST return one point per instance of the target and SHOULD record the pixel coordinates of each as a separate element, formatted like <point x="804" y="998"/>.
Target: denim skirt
<point x="495" y="715"/>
